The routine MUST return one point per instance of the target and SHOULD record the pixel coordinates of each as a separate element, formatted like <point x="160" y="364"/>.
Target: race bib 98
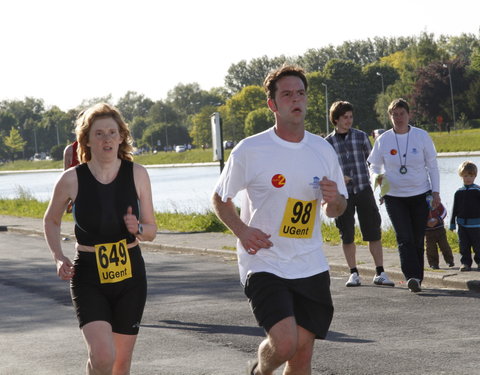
<point x="298" y="219"/>
<point x="113" y="262"/>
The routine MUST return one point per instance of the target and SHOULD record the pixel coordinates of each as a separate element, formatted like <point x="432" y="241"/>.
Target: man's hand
<point x="254" y="239"/>
<point x="333" y="202"/>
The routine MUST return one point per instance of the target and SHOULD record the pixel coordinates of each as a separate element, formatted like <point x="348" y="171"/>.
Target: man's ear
<point x="272" y="105"/>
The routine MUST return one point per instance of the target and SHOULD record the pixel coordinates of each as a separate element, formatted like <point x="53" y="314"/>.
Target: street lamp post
<point x="451" y="92"/>
<point x="58" y="138"/>
<point x="166" y="128"/>
<point x="35" y="138"/>
<point x="383" y="92"/>
<point x="326" y="107"/>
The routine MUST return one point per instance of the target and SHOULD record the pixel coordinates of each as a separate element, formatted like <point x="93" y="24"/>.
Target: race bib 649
<point x="113" y="262"/>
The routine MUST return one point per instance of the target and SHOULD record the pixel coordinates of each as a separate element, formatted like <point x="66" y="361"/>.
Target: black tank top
<point x="99" y="208"/>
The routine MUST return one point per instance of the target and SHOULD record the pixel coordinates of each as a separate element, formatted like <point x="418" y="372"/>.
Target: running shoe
<point x="414" y="285"/>
<point x="465" y="268"/>
<point x="353" y="280"/>
<point x="383" y="279"/>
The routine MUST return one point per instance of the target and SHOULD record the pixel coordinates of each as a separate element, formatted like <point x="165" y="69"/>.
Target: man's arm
<point x="252" y="239"/>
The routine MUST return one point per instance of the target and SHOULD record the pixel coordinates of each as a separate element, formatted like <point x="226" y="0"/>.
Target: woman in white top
<point x="404" y="159"/>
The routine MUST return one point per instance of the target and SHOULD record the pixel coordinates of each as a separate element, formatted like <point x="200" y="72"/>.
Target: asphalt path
<point x="198" y="322"/>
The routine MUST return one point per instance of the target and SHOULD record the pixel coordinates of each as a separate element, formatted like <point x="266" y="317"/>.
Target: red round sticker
<point x="393" y="152"/>
<point x="278" y="180"/>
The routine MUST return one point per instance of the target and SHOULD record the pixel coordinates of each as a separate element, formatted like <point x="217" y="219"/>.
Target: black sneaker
<point x="465" y="268"/>
<point x="414" y="285"/>
<point x="451" y="264"/>
<point x="435" y="267"/>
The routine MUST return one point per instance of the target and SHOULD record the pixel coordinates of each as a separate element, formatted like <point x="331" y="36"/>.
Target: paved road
<point x="197" y="321"/>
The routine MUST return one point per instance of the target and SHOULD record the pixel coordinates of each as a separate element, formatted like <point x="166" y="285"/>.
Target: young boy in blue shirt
<point x="466" y="213"/>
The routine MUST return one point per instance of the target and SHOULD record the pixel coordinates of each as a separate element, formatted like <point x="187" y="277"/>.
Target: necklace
<point x="403" y="168"/>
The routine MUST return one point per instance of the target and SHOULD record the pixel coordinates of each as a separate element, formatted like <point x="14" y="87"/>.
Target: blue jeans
<point x="409" y="217"/>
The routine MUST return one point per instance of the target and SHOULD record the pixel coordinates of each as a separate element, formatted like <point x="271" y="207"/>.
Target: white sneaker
<point x="353" y="280"/>
<point x="383" y="279"/>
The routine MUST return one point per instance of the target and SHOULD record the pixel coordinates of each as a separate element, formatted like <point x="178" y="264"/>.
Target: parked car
<point x="180" y="148"/>
<point x="228" y="144"/>
<point x="377" y="132"/>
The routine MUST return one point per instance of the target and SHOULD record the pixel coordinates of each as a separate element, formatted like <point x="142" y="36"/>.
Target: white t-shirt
<point x="282" y="197"/>
<point x="420" y="159"/>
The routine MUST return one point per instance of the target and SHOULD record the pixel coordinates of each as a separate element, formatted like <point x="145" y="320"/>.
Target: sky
<point x="67" y="51"/>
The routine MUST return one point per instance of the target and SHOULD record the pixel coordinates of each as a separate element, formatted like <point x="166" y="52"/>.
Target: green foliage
<point x="24" y="205"/>
<point x="201" y="130"/>
<point x="14" y="142"/>
<point x="56" y="152"/>
<point x="237" y="109"/>
<point x="180" y="222"/>
<point x="458" y="140"/>
<point x="253" y="73"/>
<point x="27" y="206"/>
<point x="349" y="70"/>
<point x="258" y="120"/>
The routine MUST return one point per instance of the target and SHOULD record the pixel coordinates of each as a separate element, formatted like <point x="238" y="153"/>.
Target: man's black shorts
<point x="273" y="299"/>
<point x="368" y="217"/>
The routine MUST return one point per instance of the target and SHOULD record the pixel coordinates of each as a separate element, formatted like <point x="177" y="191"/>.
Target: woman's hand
<point x="65" y="268"/>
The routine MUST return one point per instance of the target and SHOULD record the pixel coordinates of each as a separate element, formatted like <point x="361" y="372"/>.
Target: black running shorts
<point x="121" y="304"/>
<point x="273" y="299"/>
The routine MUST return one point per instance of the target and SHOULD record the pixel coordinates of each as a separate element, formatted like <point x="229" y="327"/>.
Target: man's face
<point x="344" y="122"/>
<point x="290" y="102"/>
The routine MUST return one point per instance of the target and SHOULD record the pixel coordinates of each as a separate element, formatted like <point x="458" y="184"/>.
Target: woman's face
<point x="400" y="117"/>
<point x="104" y="138"/>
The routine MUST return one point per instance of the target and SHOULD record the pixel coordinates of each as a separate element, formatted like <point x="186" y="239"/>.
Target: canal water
<point x="188" y="189"/>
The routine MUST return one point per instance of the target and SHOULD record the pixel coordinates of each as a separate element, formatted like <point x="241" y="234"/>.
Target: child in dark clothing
<point x="436" y="238"/>
<point x="466" y="213"/>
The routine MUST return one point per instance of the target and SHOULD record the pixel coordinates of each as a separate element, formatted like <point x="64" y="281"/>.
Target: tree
<point x="201" y="129"/>
<point x="459" y="47"/>
<point x="92" y="101"/>
<point x="137" y="127"/>
<point x="475" y="60"/>
<point x="133" y="105"/>
<point x="253" y="73"/>
<point x="55" y="128"/>
<point x="315" y="119"/>
<point x="431" y="94"/>
<point x="7" y="121"/>
<point x="159" y="135"/>
<point x="163" y="112"/>
<point x="314" y="60"/>
<point x="375" y="75"/>
<point x="238" y="107"/>
<point x="14" y="142"/>
<point x="258" y="120"/>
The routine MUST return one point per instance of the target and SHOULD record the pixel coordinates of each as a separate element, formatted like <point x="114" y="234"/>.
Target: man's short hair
<point x="398" y="103"/>
<point x="338" y="109"/>
<point x="270" y="83"/>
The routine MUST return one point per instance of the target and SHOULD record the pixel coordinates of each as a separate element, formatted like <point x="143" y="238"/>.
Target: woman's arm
<point x="63" y="192"/>
<point x="146" y="222"/>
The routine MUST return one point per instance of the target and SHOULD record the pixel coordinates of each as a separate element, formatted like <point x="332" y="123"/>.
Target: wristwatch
<point x="140" y="229"/>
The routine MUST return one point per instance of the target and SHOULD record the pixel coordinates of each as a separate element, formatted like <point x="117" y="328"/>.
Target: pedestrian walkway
<point x="223" y="243"/>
